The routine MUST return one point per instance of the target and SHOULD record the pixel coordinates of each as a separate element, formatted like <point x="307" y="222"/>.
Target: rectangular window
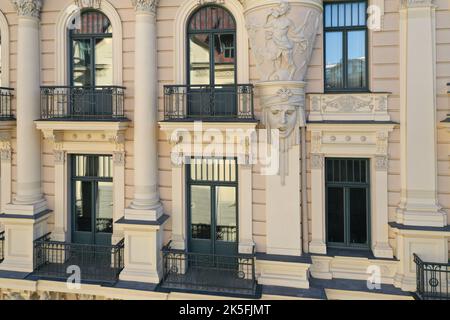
<point x="345" y="46"/>
<point x="348" y="203"/>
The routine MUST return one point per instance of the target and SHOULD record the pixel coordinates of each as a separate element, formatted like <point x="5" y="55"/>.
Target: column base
<point x="20" y="234"/>
<point x="423" y="217"/>
<point x="178" y="242"/>
<point x="246" y="247"/>
<point x="383" y="250"/>
<point x="25" y="209"/>
<point x="142" y="254"/>
<point x="318" y="247"/>
<point x="283" y="274"/>
<point x="152" y="214"/>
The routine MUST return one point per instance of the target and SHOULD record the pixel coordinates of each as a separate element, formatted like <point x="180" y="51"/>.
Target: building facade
<point x="224" y="148"/>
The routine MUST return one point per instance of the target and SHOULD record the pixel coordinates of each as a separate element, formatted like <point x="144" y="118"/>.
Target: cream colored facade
<point x="398" y="125"/>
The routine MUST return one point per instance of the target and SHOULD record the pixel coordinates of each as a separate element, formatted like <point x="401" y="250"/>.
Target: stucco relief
<point x="145" y="5"/>
<point x="96" y="4"/>
<point x="354" y="106"/>
<point x="281" y="48"/>
<point x="417" y="3"/>
<point x="28" y="8"/>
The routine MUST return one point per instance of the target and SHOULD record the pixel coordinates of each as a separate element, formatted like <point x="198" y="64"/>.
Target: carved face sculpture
<point x="283" y="118"/>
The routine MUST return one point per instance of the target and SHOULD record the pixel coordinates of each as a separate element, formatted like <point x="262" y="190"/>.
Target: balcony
<point x="226" y="103"/>
<point x="5" y="103"/>
<point x="2" y="246"/>
<point x="101" y="103"/>
<point x="209" y="273"/>
<point x="433" y="280"/>
<point x="98" y="264"/>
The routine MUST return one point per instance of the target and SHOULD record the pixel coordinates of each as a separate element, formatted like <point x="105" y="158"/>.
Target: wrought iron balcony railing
<point x="82" y="103"/>
<point x="213" y="103"/>
<point x="433" y="280"/>
<point x="2" y="246"/>
<point x="5" y="103"/>
<point x="97" y="264"/>
<point x="220" y="274"/>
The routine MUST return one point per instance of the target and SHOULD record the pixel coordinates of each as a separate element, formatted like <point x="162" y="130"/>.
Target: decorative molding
<point x="119" y="158"/>
<point x="354" y="106"/>
<point x="282" y="49"/>
<point x="28" y="8"/>
<point x="381" y="163"/>
<point x="6" y="154"/>
<point x="203" y="2"/>
<point x="148" y="6"/>
<point x="63" y="21"/>
<point x="94" y="4"/>
<point x="317" y="161"/>
<point x="382" y="142"/>
<point x="59" y="156"/>
<point x="316" y="141"/>
<point x="417" y="3"/>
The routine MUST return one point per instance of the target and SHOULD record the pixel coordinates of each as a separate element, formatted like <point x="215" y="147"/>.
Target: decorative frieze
<point x="28" y="8"/>
<point x="417" y="3"/>
<point x="145" y="5"/>
<point x="347" y="107"/>
<point x="95" y="4"/>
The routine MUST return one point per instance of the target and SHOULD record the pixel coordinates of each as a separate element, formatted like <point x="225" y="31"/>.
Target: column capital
<point x="417" y="3"/>
<point x="381" y="163"/>
<point x="146" y="6"/>
<point x="28" y="8"/>
<point x="317" y="161"/>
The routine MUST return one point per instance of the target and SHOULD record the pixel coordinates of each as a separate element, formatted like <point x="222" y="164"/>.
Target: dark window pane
<point x="336" y="222"/>
<point x="200" y="212"/>
<point x="356" y="59"/>
<point x="83" y="206"/>
<point x="358" y="216"/>
<point x="333" y="60"/>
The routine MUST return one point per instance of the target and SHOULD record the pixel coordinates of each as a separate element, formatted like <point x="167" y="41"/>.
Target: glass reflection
<point x="104" y="205"/>
<point x="224" y="56"/>
<point x="103" y="62"/>
<point x="200" y="212"/>
<point x="333" y="56"/>
<point x="81" y="63"/>
<point x="226" y="229"/>
<point x="199" y="57"/>
<point x="356" y="59"/>
<point x="83" y="206"/>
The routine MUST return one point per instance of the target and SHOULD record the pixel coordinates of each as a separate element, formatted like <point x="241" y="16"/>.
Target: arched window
<point x="91" y="50"/>
<point x="212" y="47"/>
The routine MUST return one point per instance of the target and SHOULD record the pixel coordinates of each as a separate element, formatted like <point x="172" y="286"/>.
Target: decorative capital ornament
<point x="145" y="5"/>
<point x="28" y="8"/>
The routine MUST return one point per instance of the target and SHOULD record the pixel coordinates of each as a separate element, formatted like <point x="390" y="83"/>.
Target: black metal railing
<point x="82" y="103"/>
<point x="198" y="102"/>
<point x="433" y="280"/>
<point x="232" y="275"/>
<point x="96" y="263"/>
<point x="5" y="103"/>
<point x="2" y="246"/>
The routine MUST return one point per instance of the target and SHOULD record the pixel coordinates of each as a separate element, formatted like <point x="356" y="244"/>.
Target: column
<point x="61" y="216"/>
<point x="318" y="241"/>
<point x="419" y="204"/>
<point x="421" y="223"/>
<point x="146" y="204"/>
<point x="380" y="234"/>
<point x="29" y="199"/>
<point x="25" y="219"/>
<point x="144" y="219"/>
<point x="5" y="167"/>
